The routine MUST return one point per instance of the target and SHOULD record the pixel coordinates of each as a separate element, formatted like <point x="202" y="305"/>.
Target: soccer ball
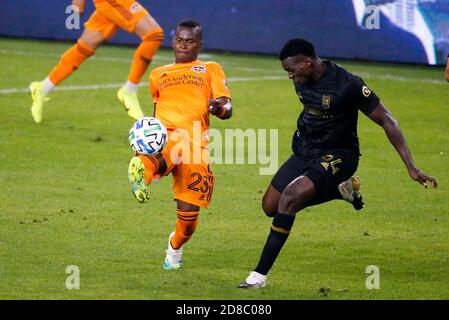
<point x="148" y="136"/>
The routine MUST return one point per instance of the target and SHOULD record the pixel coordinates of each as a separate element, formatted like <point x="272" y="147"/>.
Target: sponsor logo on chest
<point x="199" y="69"/>
<point x="168" y="79"/>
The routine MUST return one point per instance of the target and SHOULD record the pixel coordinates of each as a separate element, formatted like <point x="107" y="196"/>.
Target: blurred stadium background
<point x="413" y="31"/>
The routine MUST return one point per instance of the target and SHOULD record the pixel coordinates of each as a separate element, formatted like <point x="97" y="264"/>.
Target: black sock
<point x="280" y="229"/>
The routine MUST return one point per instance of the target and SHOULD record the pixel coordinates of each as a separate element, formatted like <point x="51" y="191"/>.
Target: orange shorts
<point x="109" y="15"/>
<point x="193" y="181"/>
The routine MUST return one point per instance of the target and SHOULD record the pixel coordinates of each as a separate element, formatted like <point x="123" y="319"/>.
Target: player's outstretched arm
<point x="383" y="118"/>
<point x="221" y="107"/>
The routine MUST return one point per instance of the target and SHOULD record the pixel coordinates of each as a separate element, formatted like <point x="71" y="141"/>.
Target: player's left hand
<point x="215" y="106"/>
<point x="422" y="178"/>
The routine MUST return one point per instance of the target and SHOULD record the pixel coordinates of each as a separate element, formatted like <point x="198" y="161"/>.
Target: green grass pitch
<point x="65" y="197"/>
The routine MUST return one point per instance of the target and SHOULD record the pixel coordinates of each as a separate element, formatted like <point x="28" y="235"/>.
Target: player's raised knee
<point x="270" y="201"/>
<point x="268" y="207"/>
<point x="291" y="200"/>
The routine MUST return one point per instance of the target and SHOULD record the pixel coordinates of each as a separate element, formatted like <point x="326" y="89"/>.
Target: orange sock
<point x="144" y="53"/>
<point x="70" y="61"/>
<point x="151" y="166"/>
<point x="185" y="226"/>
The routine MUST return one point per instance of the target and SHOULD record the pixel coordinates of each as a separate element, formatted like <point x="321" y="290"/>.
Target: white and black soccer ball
<point x="148" y="136"/>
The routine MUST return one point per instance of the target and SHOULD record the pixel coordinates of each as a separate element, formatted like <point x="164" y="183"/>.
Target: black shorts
<point x="326" y="173"/>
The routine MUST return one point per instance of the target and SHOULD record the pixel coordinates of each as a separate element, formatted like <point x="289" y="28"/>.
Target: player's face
<point x="186" y="44"/>
<point x="299" y="68"/>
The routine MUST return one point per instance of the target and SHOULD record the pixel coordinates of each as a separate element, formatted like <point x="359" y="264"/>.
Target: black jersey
<point x="329" y="119"/>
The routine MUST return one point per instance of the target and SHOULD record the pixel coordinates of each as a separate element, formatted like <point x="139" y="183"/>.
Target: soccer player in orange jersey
<point x="108" y="17"/>
<point x="184" y="95"/>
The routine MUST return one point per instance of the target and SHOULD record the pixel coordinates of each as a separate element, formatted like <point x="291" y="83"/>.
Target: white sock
<point x="48" y="85"/>
<point x="131" y="87"/>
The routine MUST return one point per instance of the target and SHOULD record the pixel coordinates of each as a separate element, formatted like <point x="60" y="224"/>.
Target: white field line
<point x="392" y="77"/>
<point x="56" y="56"/>
<point x="384" y="77"/>
<point x="276" y="71"/>
<point x="231" y="79"/>
<point x="128" y="61"/>
<point x="118" y="85"/>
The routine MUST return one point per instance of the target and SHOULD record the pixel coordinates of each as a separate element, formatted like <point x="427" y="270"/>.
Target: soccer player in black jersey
<point x="325" y="146"/>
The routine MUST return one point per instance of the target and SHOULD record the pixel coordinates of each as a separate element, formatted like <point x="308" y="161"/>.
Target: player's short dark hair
<point x="192" y="24"/>
<point x="293" y="47"/>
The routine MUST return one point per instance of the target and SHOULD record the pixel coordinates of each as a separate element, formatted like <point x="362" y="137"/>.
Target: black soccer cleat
<point x="358" y="201"/>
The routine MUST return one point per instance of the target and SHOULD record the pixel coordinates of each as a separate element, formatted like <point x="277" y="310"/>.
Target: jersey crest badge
<point x="199" y="69"/>
<point x="326" y="102"/>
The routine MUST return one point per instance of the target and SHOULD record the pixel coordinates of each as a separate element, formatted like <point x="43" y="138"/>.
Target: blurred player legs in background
<point x="108" y="17"/>
<point x="447" y="69"/>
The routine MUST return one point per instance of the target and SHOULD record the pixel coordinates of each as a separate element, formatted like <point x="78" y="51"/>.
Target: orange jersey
<point x="181" y="93"/>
